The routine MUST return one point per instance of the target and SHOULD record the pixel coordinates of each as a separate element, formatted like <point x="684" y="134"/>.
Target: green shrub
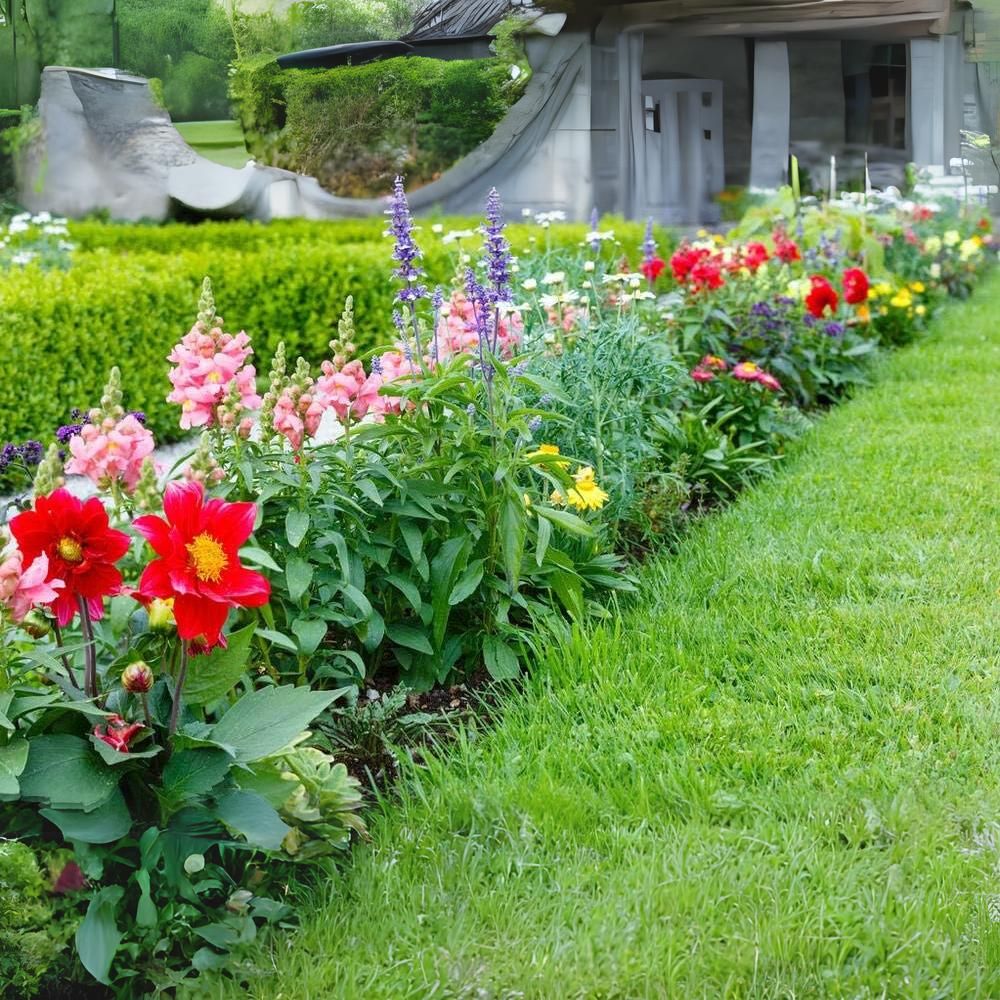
<point x="355" y="127"/>
<point x="26" y="950"/>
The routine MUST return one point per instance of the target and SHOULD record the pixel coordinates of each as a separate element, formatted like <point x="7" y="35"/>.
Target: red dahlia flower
<point x="199" y="565"/>
<point x="755" y="255"/>
<point x="822" y="296"/>
<point x="855" y="286"/>
<point x="653" y="268"/>
<point x="81" y="546"/>
<point x="117" y="733"/>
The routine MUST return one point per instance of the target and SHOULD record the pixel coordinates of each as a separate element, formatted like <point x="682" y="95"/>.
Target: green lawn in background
<point x="221" y="141"/>
<point x="777" y="775"/>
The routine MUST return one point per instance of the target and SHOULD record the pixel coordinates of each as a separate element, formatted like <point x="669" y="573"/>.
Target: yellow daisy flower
<point x="586" y="495"/>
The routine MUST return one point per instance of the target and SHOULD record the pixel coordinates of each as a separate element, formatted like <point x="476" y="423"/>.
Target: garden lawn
<point x="776" y="776"/>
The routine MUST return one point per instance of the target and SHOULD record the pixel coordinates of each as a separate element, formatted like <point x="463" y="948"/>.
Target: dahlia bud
<point x="36" y="625"/>
<point x="161" y="614"/>
<point x="137" y="678"/>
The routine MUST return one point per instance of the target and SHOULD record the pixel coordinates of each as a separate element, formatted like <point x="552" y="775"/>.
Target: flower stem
<point x="89" y="651"/>
<point x="62" y="656"/>
<point x="178" y="690"/>
<point x="145" y="709"/>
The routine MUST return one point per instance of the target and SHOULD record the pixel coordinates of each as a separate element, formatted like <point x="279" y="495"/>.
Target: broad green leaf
<point x="544" y="536"/>
<point x="258" y="557"/>
<point x="98" y="936"/>
<point x="145" y="909"/>
<point x="467" y="584"/>
<point x="13" y="757"/>
<point x="254" y="817"/>
<point x="298" y="576"/>
<point x="310" y="632"/>
<point x="113" y="757"/>
<point x="565" y="520"/>
<point x="569" y="590"/>
<point x="278" y="638"/>
<point x="413" y="537"/>
<point x="265" y="721"/>
<point x="408" y="589"/>
<point x="101" y="826"/>
<point x="410" y="637"/>
<point x="501" y="661"/>
<point x="296" y="526"/>
<point x="512" y="529"/>
<point x="214" y="675"/>
<point x="66" y="773"/>
<point x="447" y="564"/>
<point x="190" y="773"/>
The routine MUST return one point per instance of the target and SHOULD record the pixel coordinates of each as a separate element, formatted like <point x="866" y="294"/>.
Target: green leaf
<point x="410" y="637"/>
<point x="512" y="529"/>
<point x="258" y="557"/>
<point x="145" y="909"/>
<point x="408" y="589"/>
<point x="414" y="539"/>
<point x="310" y="632"/>
<point x="13" y="757"/>
<point x="102" y="826"/>
<point x="278" y="638"/>
<point x="467" y="584"/>
<point x="265" y="721"/>
<point x="254" y="817"/>
<point x="113" y="757"/>
<point x="190" y="773"/>
<point x="98" y="937"/>
<point x="501" y="660"/>
<point x="565" y="520"/>
<point x="214" y="675"/>
<point x="296" y="526"/>
<point x="445" y="567"/>
<point x="544" y="537"/>
<point x="298" y="576"/>
<point x="569" y="590"/>
<point x="65" y="772"/>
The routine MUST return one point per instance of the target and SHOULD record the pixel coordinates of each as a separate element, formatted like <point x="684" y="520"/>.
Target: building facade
<point x="652" y="108"/>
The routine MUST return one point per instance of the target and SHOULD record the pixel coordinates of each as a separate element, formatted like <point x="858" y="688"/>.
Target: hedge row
<point x="61" y="331"/>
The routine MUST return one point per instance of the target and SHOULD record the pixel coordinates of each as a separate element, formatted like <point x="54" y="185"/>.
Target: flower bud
<point x="161" y="614"/>
<point x="137" y="678"/>
<point x="36" y="625"/>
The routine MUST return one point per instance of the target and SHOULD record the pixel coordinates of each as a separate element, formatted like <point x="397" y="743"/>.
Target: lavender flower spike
<point x="406" y="253"/>
<point x="649" y="243"/>
<point x="497" y="257"/>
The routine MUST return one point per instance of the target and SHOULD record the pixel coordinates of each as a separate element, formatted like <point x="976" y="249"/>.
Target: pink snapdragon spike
<point x="112" y="451"/>
<point x="292" y="416"/>
<point x="23" y="589"/>
<point x="206" y="363"/>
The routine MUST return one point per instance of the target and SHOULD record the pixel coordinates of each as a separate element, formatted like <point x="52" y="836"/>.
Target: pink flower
<point x="111" y="452"/>
<point x="339" y="389"/>
<point x="701" y="374"/>
<point x="458" y="332"/>
<point x="207" y="363"/>
<point x="22" y="589"/>
<point x="746" y="371"/>
<point x="117" y="733"/>
<point x="768" y="381"/>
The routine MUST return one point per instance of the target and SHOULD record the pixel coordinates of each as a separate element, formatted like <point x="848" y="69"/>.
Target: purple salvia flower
<point x="64" y="433"/>
<point x="535" y="425"/>
<point x="406" y="253"/>
<point x="437" y="301"/>
<point x="376" y="365"/>
<point x="649" y="243"/>
<point x="496" y="249"/>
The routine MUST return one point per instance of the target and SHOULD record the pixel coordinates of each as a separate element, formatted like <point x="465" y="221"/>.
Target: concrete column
<point x="771" y="114"/>
<point x="927" y="102"/>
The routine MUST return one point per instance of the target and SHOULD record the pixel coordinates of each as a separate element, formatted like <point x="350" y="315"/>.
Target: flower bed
<point x="176" y="658"/>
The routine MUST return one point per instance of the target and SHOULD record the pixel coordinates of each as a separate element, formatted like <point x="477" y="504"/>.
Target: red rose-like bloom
<point x="82" y="548"/>
<point x="855" y="286"/>
<point x="821" y="296"/>
<point x="755" y="255"/>
<point x="653" y="268"/>
<point x="199" y="565"/>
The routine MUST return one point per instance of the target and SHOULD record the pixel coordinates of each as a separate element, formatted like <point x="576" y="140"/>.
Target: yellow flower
<point x="586" y="495"/>
<point x="968" y="249"/>
<point x="545" y="450"/>
<point x="952" y="238"/>
<point x="864" y="314"/>
<point x="932" y="246"/>
<point x="920" y="310"/>
<point x="918" y="286"/>
<point x="902" y="299"/>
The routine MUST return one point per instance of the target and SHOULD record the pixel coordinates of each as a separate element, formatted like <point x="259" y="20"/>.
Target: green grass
<point x="776" y="776"/>
<point x="221" y="141"/>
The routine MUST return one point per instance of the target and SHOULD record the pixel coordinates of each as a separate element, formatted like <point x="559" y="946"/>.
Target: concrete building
<point x="651" y="108"/>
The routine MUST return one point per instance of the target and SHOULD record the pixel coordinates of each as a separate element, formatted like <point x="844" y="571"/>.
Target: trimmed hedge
<point x="133" y="292"/>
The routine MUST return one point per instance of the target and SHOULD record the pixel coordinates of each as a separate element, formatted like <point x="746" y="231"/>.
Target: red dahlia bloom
<point x="755" y="255"/>
<point x="822" y="296"/>
<point x="653" y="268"/>
<point x="82" y="548"/>
<point x="117" y="733"/>
<point x="199" y="565"/>
<point x="855" y="286"/>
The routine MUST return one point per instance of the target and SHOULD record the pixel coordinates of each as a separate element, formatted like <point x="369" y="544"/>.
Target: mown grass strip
<point x="776" y="776"/>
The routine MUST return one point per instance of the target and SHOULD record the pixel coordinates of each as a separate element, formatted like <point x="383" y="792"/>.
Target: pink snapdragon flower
<point x="458" y="331"/>
<point x="23" y="589"/>
<point x="207" y="362"/>
<point x="340" y="390"/>
<point x="112" y="451"/>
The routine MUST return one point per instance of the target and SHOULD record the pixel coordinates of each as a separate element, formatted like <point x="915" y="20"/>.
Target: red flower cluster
<point x="786" y="250"/>
<point x="855" y="286"/>
<point x="82" y="548"/>
<point x="822" y="296"/>
<point x="199" y="565"/>
<point x="653" y="268"/>
<point x="698" y="267"/>
<point x="755" y="256"/>
<point x="747" y="371"/>
<point x="117" y="733"/>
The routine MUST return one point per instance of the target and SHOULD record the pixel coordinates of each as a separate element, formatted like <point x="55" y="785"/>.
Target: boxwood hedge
<point x="131" y="293"/>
